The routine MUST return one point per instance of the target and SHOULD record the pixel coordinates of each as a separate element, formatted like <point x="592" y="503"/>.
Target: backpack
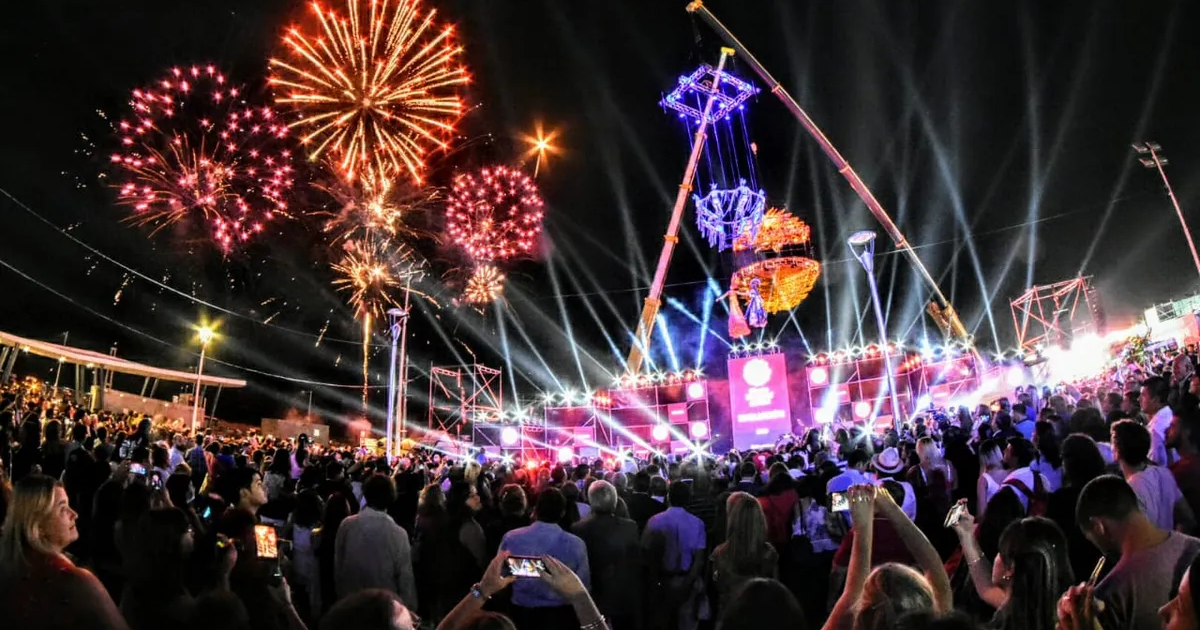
<point x="1038" y="498"/>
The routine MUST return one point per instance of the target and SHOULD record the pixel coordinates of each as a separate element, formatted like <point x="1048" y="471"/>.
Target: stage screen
<point x="758" y="400"/>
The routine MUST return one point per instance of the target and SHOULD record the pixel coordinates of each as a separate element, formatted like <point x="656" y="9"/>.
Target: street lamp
<point x="399" y="329"/>
<point x="206" y="335"/>
<point x="1157" y="161"/>
<point x="862" y="245"/>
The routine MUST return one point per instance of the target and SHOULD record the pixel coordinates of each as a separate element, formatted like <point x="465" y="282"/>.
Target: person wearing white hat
<point x="889" y="465"/>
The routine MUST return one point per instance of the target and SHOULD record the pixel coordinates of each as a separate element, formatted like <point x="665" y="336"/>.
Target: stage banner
<point x="758" y="400"/>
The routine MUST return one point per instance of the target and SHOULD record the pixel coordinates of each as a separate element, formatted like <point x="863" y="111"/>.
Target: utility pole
<point x="1157" y="160"/>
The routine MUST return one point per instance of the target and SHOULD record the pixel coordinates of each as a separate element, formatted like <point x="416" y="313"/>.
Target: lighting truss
<point x="731" y="94"/>
<point x="1049" y="314"/>
<point x="459" y="394"/>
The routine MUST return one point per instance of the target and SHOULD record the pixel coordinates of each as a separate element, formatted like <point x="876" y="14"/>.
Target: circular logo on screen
<point x="756" y="372"/>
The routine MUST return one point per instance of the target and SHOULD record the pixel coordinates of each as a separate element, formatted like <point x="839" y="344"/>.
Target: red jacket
<point x="780" y="510"/>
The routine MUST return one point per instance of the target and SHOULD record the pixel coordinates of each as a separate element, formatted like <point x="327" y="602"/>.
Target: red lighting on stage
<point x="531" y="465"/>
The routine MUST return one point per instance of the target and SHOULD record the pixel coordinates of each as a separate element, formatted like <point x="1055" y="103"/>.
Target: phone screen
<point x="955" y="513"/>
<point x="838" y="502"/>
<point x="137" y="469"/>
<point x="265" y="541"/>
<point x="525" y="566"/>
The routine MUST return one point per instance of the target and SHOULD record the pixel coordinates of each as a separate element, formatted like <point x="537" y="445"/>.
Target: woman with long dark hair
<point x="1082" y="461"/>
<point x="1032" y="563"/>
<point x="451" y="548"/>
<point x="156" y="595"/>
<point x="746" y="553"/>
<point x="1049" y="460"/>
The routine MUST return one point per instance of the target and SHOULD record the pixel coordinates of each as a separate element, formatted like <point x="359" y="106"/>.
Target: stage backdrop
<point x="758" y="400"/>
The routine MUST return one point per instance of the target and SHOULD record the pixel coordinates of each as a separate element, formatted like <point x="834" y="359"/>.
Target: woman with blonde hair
<point x="745" y="554"/>
<point x="39" y="586"/>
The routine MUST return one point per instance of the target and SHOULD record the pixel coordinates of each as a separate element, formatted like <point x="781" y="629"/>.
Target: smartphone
<point x="207" y="515"/>
<point x="524" y="566"/>
<point x="839" y="502"/>
<point x="137" y="469"/>
<point x="266" y="546"/>
<point x="955" y="513"/>
<point x="156" y="482"/>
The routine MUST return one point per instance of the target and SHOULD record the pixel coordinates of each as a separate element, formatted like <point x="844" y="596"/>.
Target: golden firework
<point x="485" y="285"/>
<point x="376" y="88"/>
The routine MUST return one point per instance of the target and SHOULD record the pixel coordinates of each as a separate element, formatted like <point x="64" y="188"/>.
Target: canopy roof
<point x="89" y="358"/>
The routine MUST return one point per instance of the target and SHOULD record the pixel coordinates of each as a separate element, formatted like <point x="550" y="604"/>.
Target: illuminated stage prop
<point x="1046" y="315"/>
<point x="760" y="410"/>
<point x="724" y="214"/>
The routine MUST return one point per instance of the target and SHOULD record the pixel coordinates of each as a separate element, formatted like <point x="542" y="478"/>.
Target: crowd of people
<point x="1070" y="509"/>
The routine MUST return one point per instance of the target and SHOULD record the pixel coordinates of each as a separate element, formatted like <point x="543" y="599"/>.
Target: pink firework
<point x="494" y="213"/>
<point x="193" y="149"/>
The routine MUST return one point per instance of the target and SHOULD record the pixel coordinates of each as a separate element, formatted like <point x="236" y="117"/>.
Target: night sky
<point x="997" y="133"/>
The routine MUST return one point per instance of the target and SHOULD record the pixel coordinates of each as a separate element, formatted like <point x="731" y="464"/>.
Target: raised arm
<point x="862" y="510"/>
<point x="922" y="550"/>
<point x="980" y="569"/>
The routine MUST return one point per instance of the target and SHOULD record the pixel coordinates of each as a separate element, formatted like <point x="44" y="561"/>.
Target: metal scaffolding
<point x="1049" y="314"/>
<point x="459" y="394"/>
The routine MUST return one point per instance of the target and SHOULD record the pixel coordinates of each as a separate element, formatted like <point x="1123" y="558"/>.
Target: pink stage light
<point x="509" y="436"/>
<point x="818" y="376"/>
<point x="695" y="391"/>
<point x="862" y="409"/>
<point x="565" y="454"/>
<point x="660" y="433"/>
<point x="699" y="430"/>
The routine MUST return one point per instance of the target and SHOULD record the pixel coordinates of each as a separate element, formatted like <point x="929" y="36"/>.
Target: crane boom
<point x="952" y="325"/>
<point x="641" y="341"/>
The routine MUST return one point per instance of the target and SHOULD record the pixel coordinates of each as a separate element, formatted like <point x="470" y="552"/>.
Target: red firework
<point x="494" y="213"/>
<point x="194" y="149"/>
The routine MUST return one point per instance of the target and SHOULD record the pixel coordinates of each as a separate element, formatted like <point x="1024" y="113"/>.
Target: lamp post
<point x="862" y="245"/>
<point x="206" y="336"/>
<point x="308" y="412"/>
<point x="398" y="328"/>
<point x="1156" y="161"/>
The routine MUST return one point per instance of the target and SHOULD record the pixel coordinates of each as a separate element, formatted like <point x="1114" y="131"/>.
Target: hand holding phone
<point x="266" y="546"/>
<point x="524" y="567"/>
<point x="839" y="502"/>
<point x="956" y="512"/>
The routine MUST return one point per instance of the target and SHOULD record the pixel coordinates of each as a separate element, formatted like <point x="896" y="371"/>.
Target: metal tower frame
<point x="460" y="393"/>
<point x="1046" y="313"/>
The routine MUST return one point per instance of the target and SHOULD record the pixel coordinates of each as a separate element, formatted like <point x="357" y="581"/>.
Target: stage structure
<point x="947" y="317"/>
<point x="662" y="412"/>
<point x="460" y="394"/>
<point x="701" y="99"/>
<point x="1051" y="314"/>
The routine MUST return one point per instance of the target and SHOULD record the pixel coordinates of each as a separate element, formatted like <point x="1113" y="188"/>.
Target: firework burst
<point x="375" y="88"/>
<point x="373" y="270"/>
<point x="193" y="147"/>
<point x="387" y="209"/>
<point x="494" y="214"/>
<point x="484" y="286"/>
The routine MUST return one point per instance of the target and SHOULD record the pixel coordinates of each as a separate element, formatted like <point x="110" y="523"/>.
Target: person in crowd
<point x="1155" y="393"/>
<point x="370" y="609"/>
<point x="991" y="474"/>
<point x="1110" y="406"/>
<point x="748" y="481"/>
<point x="40" y="588"/>
<point x="1152" y="560"/>
<point x="1027" y="575"/>
<point x="641" y="505"/>
<point x="778" y="500"/>
<point x="746" y="552"/>
<point x="242" y="490"/>
<point x="675" y="544"/>
<point x="160" y="462"/>
<point x="468" y="614"/>
<point x="762" y="604"/>
<point x="889" y="465"/>
<point x="1021" y="421"/>
<point x="337" y="510"/>
<point x="1049" y="459"/>
<point x="1183" y="436"/>
<point x="1081" y="463"/>
<point x="933" y="482"/>
<point x="197" y="461"/>
<point x="156" y="594"/>
<point x="53" y="454"/>
<point x="536" y="604"/>
<point x="614" y="558"/>
<point x="1031" y="488"/>
<point x="513" y="514"/>
<point x="874" y="599"/>
<point x="449" y="554"/>
<point x="372" y="551"/>
<point x="857" y="463"/>
<point x="1160" y="498"/>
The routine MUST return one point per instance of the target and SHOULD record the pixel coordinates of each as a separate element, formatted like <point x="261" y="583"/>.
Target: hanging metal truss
<point x="459" y="394"/>
<point x="1051" y="315"/>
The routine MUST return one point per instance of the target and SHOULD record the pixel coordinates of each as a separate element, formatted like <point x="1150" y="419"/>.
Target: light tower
<point x="862" y="245"/>
<point x="1157" y="160"/>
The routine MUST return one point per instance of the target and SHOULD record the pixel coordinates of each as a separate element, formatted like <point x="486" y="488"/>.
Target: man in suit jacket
<point x="641" y="505"/>
<point x="614" y="557"/>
